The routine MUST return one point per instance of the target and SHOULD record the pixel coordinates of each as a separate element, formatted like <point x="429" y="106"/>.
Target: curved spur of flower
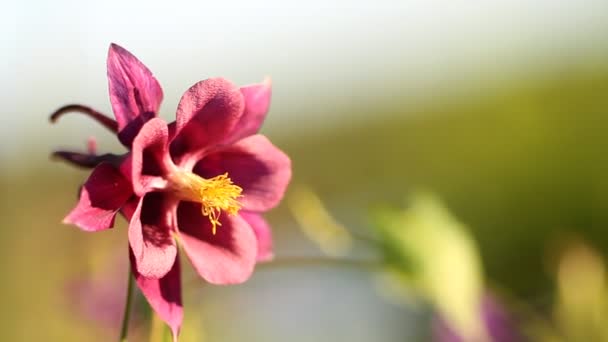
<point x="202" y="181"/>
<point x="135" y="95"/>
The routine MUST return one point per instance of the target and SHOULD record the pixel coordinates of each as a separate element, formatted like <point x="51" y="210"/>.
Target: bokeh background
<point x="500" y="108"/>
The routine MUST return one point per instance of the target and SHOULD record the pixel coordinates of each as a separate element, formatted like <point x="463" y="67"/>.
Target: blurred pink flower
<point x="202" y="180"/>
<point x="99" y="295"/>
<point x="498" y="324"/>
<point x="101" y="301"/>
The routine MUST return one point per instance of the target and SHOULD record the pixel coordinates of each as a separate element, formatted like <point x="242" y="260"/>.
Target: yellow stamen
<point x="216" y="194"/>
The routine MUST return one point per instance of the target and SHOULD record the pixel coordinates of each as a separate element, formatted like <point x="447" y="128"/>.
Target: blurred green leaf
<point x="317" y="223"/>
<point x="581" y="311"/>
<point x="437" y="257"/>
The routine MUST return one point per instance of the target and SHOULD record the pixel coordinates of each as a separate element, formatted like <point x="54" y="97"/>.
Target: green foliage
<point x="580" y="307"/>
<point x="436" y="256"/>
<point x="520" y="161"/>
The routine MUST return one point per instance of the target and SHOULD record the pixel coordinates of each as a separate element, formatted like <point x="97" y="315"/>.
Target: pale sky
<point x="321" y="55"/>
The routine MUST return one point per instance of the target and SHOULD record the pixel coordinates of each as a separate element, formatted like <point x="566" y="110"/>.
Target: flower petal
<point x="128" y="208"/>
<point x="206" y="114"/>
<point x="228" y="257"/>
<point x="263" y="234"/>
<point x="150" y="238"/>
<point x="164" y="294"/>
<point x="134" y="92"/>
<point x="254" y="164"/>
<point x="101" y="196"/>
<point x="150" y="157"/>
<point x="257" y="102"/>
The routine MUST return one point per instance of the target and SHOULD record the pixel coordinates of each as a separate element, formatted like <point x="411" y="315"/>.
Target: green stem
<point x="315" y="261"/>
<point x="127" y="313"/>
<point x="320" y="261"/>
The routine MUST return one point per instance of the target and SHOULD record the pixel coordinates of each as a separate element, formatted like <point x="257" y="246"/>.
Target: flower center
<point x="215" y="195"/>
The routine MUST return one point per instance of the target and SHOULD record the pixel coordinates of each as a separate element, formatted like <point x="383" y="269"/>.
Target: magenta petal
<point x="134" y="93"/>
<point x="150" y="235"/>
<point x="254" y="164"/>
<point x="101" y="197"/>
<point x="206" y="114"/>
<point x="257" y="102"/>
<point x="150" y="158"/>
<point x="263" y="234"/>
<point x="164" y="294"/>
<point x="128" y="209"/>
<point x="228" y="257"/>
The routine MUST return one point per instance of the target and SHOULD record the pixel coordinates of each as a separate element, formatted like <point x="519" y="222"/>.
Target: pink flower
<point x="99" y="295"/>
<point x="498" y="324"/>
<point x="202" y="180"/>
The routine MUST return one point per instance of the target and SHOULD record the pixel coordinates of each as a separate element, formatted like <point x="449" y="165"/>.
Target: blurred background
<point x="499" y="108"/>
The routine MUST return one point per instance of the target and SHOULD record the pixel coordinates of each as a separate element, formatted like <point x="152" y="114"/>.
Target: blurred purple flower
<point x="498" y="325"/>
<point x="98" y="301"/>
<point x="182" y="181"/>
<point x="99" y="297"/>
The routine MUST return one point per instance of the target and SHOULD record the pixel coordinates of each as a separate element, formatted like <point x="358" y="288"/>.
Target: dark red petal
<point x="228" y="257"/>
<point x="134" y="92"/>
<point x="263" y="234"/>
<point x="150" y="158"/>
<point x="102" y="195"/>
<point x="164" y="294"/>
<point x="127" y="134"/>
<point x="150" y="235"/>
<point x="128" y="208"/>
<point x="254" y="164"/>
<point x="206" y="114"/>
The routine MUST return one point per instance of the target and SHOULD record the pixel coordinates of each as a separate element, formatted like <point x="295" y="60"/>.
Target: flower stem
<point x="306" y="261"/>
<point x="321" y="261"/>
<point x="127" y="313"/>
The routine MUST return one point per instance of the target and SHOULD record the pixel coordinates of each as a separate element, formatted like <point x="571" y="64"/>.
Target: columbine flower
<point x="202" y="180"/>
